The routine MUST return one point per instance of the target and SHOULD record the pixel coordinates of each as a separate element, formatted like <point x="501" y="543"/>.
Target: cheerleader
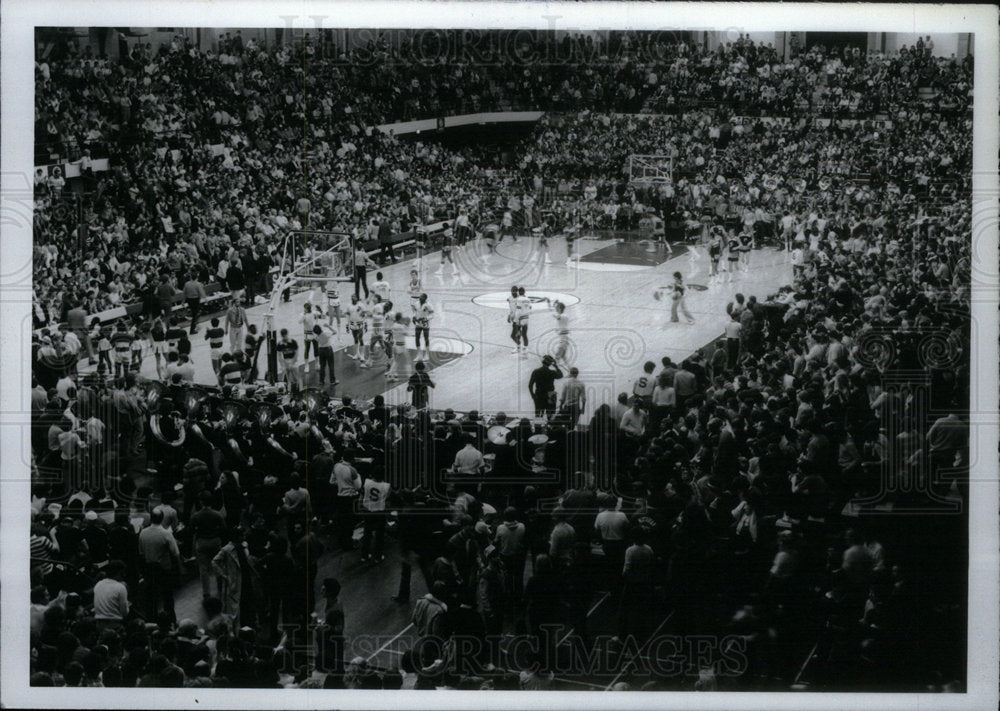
<point x="158" y="341"/>
<point x="677" y="300"/>
<point x="139" y="334"/>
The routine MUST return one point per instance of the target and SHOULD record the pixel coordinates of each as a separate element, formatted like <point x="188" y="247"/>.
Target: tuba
<point x="153" y="392"/>
<point x="192" y="399"/>
<point x="266" y="413"/>
<point x="156" y="426"/>
<point x="232" y="412"/>
<point x="312" y="400"/>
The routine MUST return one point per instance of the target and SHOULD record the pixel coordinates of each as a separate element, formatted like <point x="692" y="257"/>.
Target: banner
<point x="68" y="170"/>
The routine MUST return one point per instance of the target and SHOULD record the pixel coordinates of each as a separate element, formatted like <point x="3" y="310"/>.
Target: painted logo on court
<point x="498" y="299"/>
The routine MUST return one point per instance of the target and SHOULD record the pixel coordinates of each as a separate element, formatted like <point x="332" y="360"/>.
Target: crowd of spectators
<point x="198" y="144"/>
<point x="724" y="502"/>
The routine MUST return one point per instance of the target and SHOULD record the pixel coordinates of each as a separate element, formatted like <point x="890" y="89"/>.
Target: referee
<point x="361" y="263"/>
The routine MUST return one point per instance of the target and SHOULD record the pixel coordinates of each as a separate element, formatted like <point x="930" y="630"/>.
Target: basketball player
<point x="523" y="306"/>
<point x="378" y="312"/>
<point x="308" y="321"/>
<point x="562" y="331"/>
<point x="333" y="304"/>
<point x="288" y="351"/>
<point x="572" y="250"/>
<point x="515" y="330"/>
<point x="462" y="228"/>
<point x="381" y="287"/>
<point x="420" y="241"/>
<point x="507" y="226"/>
<point x="693" y="229"/>
<point x="732" y="256"/>
<point x="396" y="348"/>
<point x="490" y="237"/>
<point x="447" y="245"/>
<point x="356" y="325"/>
<point x="422" y="314"/>
<point x="714" y="255"/>
<point x="543" y="240"/>
<point x="746" y="244"/>
<point x="415" y="288"/>
<point x="677" y="299"/>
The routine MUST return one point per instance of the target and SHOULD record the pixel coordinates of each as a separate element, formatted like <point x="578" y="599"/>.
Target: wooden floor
<point x="615" y="326"/>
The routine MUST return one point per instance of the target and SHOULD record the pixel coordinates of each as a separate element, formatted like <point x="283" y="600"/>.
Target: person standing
<point x="308" y="321"/>
<point x="348" y="482"/>
<point x="511" y="540"/>
<point x="642" y="388"/>
<point x="395" y="347"/>
<point x="685" y="384"/>
<point x="418" y="385"/>
<point x="76" y="318"/>
<point x="633" y="421"/>
<point x="214" y="336"/>
<point x="677" y="299"/>
<point x="288" y="353"/>
<point x="165" y="295"/>
<point x="612" y="527"/>
<point x="361" y="263"/>
<point x="541" y="386"/>
<point x="733" y="338"/>
<point x="161" y="561"/>
<point x="523" y="307"/>
<point x="231" y="566"/>
<point x="194" y="292"/>
<point x="375" y="493"/>
<point x="562" y="331"/>
<point x="302" y="207"/>
<point x="207" y="528"/>
<point x="515" y="329"/>
<point x="422" y="315"/>
<point x="385" y="240"/>
<point x="637" y="588"/>
<point x="324" y="346"/>
<point x="574" y="398"/>
<point x="236" y="280"/>
<point x="111" y="605"/>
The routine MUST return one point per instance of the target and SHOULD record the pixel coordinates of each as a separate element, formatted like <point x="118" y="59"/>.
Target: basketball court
<point x="615" y="323"/>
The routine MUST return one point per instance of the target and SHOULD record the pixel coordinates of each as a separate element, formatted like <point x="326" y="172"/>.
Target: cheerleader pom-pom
<point x="657" y="294"/>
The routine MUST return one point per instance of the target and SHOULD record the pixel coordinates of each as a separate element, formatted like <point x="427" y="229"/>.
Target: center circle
<point x="498" y="299"/>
